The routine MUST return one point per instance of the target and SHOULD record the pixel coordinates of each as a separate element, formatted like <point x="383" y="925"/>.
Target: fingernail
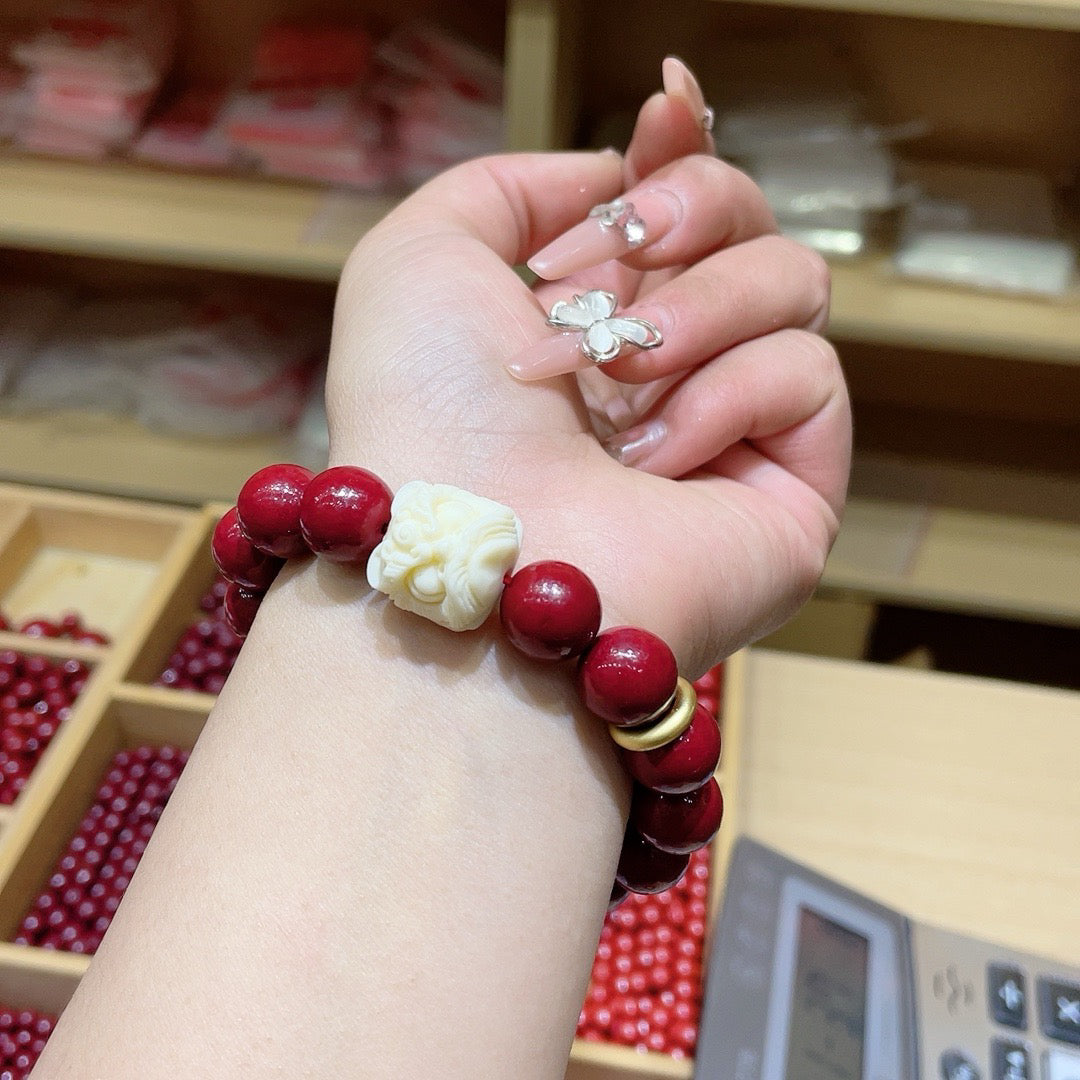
<point x="555" y="355"/>
<point x="650" y="214"/>
<point x="680" y="81"/>
<point x="631" y="448"/>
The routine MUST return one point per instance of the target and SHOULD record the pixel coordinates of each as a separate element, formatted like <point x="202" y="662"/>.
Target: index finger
<point x="670" y="125"/>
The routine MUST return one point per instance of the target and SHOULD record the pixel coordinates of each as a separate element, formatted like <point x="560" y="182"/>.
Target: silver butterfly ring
<point x="603" y="333"/>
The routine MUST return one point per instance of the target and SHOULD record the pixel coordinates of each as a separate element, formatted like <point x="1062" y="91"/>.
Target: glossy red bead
<point x="241" y="607"/>
<point x="344" y="513"/>
<point x="678" y="823"/>
<point x="627" y="675"/>
<point x="682" y="765"/>
<point x="238" y="559"/>
<point x="550" y="610"/>
<point x="269" y="509"/>
<point x="644" y="868"/>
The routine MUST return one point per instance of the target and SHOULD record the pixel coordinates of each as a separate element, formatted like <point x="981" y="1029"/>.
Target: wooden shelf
<point x="872" y="304"/>
<point x="958" y="560"/>
<point x="178" y="219"/>
<point x="307" y="232"/>
<point x="1044" y="14"/>
<point x="92" y="452"/>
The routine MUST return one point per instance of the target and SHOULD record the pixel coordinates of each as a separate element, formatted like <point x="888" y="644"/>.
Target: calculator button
<point x="1010" y="1061"/>
<point x="1007" y="996"/>
<point x="1059" y="1010"/>
<point x="1059" y="1065"/>
<point x="956" y="1065"/>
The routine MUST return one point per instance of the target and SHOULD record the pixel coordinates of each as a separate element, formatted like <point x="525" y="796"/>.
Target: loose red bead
<point x="644" y="868"/>
<point x="627" y="675"/>
<point x="238" y="559"/>
<point x="344" y="513"/>
<point x="268" y="507"/>
<point x="550" y="610"/>
<point x="678" y="823"/>
<point x="241" y="607"/>
<point x="685" y="763"/>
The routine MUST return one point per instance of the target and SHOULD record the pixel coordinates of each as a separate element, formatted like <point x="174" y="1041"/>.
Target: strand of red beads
<point x="550" y="611"/>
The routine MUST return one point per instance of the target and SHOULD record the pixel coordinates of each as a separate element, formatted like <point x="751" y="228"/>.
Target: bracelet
<point x="449" y="555"/>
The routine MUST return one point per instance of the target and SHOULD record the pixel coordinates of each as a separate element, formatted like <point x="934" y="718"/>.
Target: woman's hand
<point x="736" y="428"/>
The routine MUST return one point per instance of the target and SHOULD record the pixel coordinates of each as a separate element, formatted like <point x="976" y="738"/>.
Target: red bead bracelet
<point x="669" y="743"/>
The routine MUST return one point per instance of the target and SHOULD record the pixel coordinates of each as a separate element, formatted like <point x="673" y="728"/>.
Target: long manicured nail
<point x="558" y="354"/>
<point x="633" y="447"/>
<point x="680" y="81"/>
<point x="611" y="231"/>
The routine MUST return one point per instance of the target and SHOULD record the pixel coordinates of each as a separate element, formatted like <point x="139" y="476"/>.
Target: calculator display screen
<point x="828" y="1010"/>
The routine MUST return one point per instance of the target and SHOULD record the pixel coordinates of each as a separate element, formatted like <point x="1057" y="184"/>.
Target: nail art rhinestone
<point x="621" y="215"/>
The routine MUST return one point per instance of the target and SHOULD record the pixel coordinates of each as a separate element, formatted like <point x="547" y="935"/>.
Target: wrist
<point x="449" y="555"/>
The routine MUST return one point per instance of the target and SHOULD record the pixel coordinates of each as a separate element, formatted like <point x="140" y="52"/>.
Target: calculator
<point x="810" y="980"/>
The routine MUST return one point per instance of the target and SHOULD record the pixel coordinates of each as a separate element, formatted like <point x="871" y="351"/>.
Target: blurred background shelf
<point x="872" y="304"/>
<point x="306" y="232"/>
<point x="95" y="452"/>
<point x="181" y="219"/>
<point x="956" y="560"/>
<point x="937" y="547"/>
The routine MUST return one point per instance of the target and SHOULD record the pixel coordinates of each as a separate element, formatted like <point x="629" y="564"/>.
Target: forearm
<point x="389" y="854"/>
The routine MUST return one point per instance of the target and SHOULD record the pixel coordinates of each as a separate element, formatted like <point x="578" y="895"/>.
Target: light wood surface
<point x="101" y="453"/>
<point x="539" y="74"/>
<point x="54" y="647"/>
<point x="225" y="223"/>
<point x="958" y="560"/>
<point x="604" y="1061"/>
<point x="39" y="979"/>
<point x="872" y="304"/>
<point x="99" y="562"/>
<point x="954" y="799"/>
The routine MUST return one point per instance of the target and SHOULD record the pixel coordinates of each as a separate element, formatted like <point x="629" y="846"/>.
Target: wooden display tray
<point x="912" y="786"/>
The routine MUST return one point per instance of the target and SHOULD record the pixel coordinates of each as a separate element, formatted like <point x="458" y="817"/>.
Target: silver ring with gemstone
<point x="621" y="215"/>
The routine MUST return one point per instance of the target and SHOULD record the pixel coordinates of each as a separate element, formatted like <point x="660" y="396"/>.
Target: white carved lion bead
<point x="445" y="554"/>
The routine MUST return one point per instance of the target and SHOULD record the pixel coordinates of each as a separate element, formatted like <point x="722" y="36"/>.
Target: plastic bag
<point x="302" y="113"/>
<point x="188" y="132"/>
<point x="988" y="228"/>
<point x="28" y="316"/>
<point x="238" y="369"/>
<point x="94" y="67"/>
<point x="444" y="98"/>
<point x="97" y="359"/>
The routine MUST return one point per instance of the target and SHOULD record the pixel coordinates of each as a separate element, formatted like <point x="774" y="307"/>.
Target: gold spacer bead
<point x="665" y="730"/>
